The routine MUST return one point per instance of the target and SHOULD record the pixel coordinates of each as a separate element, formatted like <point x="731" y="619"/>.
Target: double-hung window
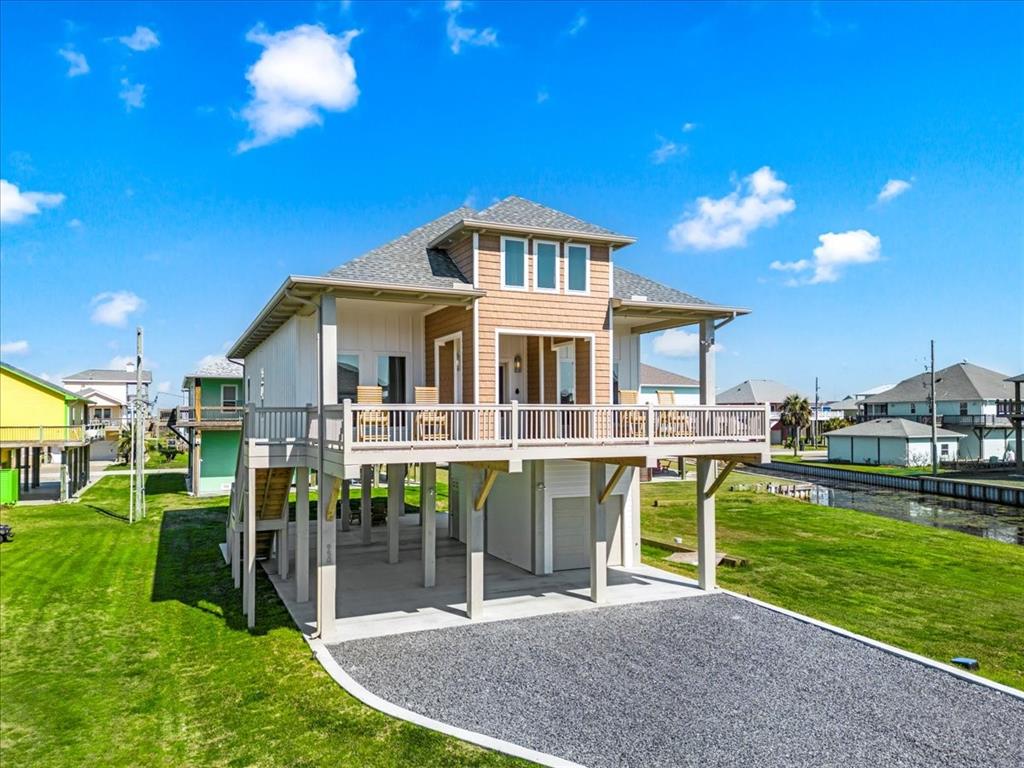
<point x="577" y="276"/>
<point x="545" y="266"/>
<point x="229" y="395"/>
<point x="513" y="263"/>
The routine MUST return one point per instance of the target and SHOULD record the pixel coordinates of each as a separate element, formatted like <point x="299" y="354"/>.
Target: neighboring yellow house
<point x="36" y="415"/>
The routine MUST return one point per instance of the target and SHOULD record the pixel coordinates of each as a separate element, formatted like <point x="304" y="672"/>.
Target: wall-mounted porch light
<point x="517" y="363"/>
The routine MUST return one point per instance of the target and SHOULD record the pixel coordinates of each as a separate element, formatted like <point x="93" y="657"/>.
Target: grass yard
<point x="875" y="469"/>
<point x="935" y="592"/>
<point x="125" y="645"/>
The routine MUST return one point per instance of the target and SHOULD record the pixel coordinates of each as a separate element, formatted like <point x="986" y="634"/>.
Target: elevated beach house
<point x="211" y="424"/>
<point x="110" y="393"/>
<point x="503" y="344"/>
<point x="37" y="419"/>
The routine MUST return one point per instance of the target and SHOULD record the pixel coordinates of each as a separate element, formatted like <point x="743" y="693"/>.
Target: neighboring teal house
<point x="211" y="422"/>
<point x="685" y="391"/>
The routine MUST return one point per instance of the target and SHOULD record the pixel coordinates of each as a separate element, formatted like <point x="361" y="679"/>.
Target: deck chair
<point x="672" y="423"/>
<point x="371" y="426"/>
<point x="631" y="423"/>
<point x="430" y="425"/>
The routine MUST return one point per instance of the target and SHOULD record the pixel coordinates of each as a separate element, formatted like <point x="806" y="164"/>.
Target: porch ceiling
<point x="647" y="316"/>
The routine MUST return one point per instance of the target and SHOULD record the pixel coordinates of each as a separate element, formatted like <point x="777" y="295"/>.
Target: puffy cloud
<point x="666" y="151"/>
<point x="578" y="24"/>
<point x="142" y="39"/>
<point x="132" y="94"/>
<point x="837" y="251"/>
<point x="715" y="224"/>
<point x="16" y="205"/>
<point x="19" y="347"/>
<point x="77" y="64"/>
<point x="676" y="342"/>
<point x="300" y="72"/>
<point x="459" y="35"/>
<point x="113" y="307"/>
<point x="893" y="188"/>
<point x="687" y="127"/>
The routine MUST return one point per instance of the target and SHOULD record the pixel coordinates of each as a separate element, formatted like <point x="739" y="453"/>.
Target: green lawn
<point x="156" y="460"/>
<point x="879" y="469"/>
<point x="125" y="645"/>
<point x="936" y="592"/>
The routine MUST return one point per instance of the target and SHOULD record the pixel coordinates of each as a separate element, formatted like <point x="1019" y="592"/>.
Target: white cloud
<point x="687" y="127"/>
<point x="676" y="342"/>
<point x="75" y="223"/>
<point x="142" y="39"/>
<point x="666" y="150"/>
<point x="301" y="71"/>
<point x="163" y="386"/>
<point x="578" y="23"/>
<point x="121" y="363"/>
<point x="113" y="307"/>
<point x="459" y="35"/>
<point x="16" y="205"/>
<point x="543" y="95"/>
<point x="19" y="347"/>
<point x="132" y="94"/>
<point x="714" y="224"/>
<point x="893" y="188"/>
<point x="837" y="251"/>
<point x="77" y="65"/>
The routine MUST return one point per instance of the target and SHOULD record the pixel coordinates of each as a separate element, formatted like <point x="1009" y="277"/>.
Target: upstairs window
<point x="513" y="263"/>
<point x="963" y="409"/>
<point x="348" y="377"/>
<point x="545" y="266"/>
<point x="229" y="395"/>
<point x="391" y="378"/>
<point x="578" y="268"/>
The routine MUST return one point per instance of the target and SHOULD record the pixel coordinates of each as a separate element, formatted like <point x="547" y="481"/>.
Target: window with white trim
<point x="513" y="263"/>
<point x="229" y="395"/>
<point x="545" y="266"/>
<point x="577" y="271"/>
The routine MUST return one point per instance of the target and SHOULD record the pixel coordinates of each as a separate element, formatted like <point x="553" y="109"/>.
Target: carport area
<point x="712" y="680"/>
<point x="374" y="597"/>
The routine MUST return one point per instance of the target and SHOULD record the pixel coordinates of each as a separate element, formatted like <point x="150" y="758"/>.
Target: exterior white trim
<point x="476" y="259"/>
<point x="611" y="272"/>
<point x="456" y="372"/>
<point x="565" y="250"/>
<point x="476" y="353"/>
<point x="536" y="261"/>
<point x="526" y="265"/>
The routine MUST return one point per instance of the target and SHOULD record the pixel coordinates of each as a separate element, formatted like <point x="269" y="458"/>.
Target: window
<point x="545" y="266"/>
<point x="963" y="409"/>
<point x="391" y="378"/>
<point x="348" y="377"/>
<point x="578" y="267"/>
<point x="945" y="449"/>
<point x="513" y="263"/>
<point x="913" y="407"/>
<point x="229" y="395"/>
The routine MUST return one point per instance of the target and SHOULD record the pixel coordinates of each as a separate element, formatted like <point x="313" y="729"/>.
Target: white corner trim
<point x="342" y="678"/>
<point x="892" y="649"/>
<point x="476" y="354"/>
<point x="476" y="259"/>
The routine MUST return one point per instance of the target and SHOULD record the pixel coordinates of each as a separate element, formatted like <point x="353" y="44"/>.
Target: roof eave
<point x="565" y="234"/>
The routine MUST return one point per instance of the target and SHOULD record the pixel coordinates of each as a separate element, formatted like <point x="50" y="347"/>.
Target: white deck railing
<point x="355" y="427"/>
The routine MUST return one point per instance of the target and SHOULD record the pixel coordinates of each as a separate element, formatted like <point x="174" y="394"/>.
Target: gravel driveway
<point x="708" y="681"/>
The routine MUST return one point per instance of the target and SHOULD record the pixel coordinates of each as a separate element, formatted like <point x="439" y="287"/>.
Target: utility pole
<point x="814" y="416"/>
<point x="137" y="485"/>
<point x="935" y="439"/>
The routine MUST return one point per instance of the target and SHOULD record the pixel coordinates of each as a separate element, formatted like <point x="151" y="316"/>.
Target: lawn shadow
<point x="191" y="570"/>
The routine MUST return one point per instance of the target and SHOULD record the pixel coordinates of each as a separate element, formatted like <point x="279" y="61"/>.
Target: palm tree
<point x="796" y="414"/>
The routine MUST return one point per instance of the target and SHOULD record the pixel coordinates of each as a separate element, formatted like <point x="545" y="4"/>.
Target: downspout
<point x="321" y="431"/>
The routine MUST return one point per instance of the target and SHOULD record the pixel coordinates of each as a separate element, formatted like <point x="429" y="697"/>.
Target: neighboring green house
<point x="212" y="424"/>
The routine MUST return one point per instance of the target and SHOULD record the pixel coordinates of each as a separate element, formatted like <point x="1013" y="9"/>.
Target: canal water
<point x="978" y="518"/>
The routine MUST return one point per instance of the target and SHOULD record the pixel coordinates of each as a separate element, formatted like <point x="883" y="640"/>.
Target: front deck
<point x="357" y="435"/>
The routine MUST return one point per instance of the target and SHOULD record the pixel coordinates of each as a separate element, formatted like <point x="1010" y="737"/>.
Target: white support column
<point x="707" y="362"/>
<point x="598" y="534"/>
<point x="302" y="534"/>
<point x="396" y="503"/>
<point x="346" y="504"/>
<point x="474" y="554"/>
<point x="236" y="555"/>
<point x="366" y="503"/>
<point x="706" y="555"/>
<point x="428" y="521"/>
<point x="250" y="550"/>
<point x="326" y="563"/>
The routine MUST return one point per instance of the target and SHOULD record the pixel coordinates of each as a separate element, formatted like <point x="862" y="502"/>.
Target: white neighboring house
<point x="894" y="442"/>
<point x="110" y="393"/>
<point x="970" y="400"/>
<point x="849" y="407"/>
<point x="685" y="391"/>
<point x="762" y="392"/>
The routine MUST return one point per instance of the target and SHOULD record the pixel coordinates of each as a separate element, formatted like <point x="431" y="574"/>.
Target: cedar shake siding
<point x="442" y="323"/>
<point x="529" y="310"/>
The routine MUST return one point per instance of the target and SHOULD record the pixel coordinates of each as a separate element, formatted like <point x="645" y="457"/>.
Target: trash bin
<point x="8" y="486"/>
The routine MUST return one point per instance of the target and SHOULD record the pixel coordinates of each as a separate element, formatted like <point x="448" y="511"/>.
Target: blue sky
<point x="163" y="187"/>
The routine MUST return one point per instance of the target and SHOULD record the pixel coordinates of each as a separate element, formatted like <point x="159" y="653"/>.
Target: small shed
<point x="898" y="442"/>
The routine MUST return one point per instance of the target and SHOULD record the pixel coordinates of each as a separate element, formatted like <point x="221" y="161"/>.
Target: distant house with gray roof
<point x="759" y="392"/>
<point x="211" y="422"/>
<point x="892" y="441"/>
<point x="685" y="391"/>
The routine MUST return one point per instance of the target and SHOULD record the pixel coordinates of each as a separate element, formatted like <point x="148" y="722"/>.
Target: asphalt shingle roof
<point x="755" y="391"/>
<point x="959" y="382"/>
<point x="220" y="368"/>
<point x="653" y="377"/>
<point x="526" y="213"/>
<point x="892" y="428"/>
<point x="629" y="284"/>
<point x="105" y="376"/>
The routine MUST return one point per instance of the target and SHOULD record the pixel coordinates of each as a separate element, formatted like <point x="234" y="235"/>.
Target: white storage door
<point x="569" y="524"/>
